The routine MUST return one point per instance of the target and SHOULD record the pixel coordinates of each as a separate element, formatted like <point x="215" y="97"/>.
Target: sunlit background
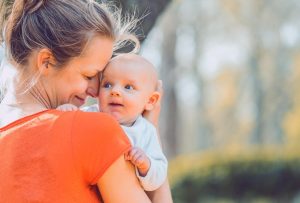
<point x="230" y="122"/>
<point x="231" y="113"/>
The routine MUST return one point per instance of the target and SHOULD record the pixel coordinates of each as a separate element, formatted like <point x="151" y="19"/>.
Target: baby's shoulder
<point x="141" y="121"/>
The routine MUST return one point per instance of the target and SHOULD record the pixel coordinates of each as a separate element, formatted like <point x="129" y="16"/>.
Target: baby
<point x="127" y="89"/>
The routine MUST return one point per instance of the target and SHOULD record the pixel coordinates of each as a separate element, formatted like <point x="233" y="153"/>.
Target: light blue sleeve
<point x="157" y="173"/>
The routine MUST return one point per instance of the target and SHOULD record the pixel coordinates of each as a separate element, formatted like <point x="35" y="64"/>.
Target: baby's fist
<point x="138" y="158"/>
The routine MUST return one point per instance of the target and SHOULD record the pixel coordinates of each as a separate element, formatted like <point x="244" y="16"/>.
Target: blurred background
<point x="231" y="74"/>
<point x="230" y="122"/>
<point x="231" y="113"/>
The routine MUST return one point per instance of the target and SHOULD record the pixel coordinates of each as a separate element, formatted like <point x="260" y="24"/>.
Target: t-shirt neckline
<point x="24" y="119"/>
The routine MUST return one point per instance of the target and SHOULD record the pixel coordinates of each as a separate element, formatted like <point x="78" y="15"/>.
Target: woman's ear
<point x="44" y="60"/>
<point x="152" y="101"/>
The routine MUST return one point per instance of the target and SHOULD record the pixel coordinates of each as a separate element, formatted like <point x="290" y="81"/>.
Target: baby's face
<point x="125" y="89"/>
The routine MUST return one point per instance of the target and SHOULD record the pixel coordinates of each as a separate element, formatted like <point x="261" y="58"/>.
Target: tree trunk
<point x="168" y="75"/>
<point x="147" y="10"/>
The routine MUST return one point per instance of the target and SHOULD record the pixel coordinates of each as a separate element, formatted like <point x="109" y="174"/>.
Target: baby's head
<point x="128" y="87"/>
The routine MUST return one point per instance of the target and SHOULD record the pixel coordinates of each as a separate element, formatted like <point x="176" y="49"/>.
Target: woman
<point x="58" y="47"/>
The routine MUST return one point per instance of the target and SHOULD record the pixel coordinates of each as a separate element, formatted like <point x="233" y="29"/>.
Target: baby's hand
<point x="138" y="158"/>
<point x="67" y="107"/>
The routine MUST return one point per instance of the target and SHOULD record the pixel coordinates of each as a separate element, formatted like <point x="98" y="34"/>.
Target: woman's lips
<point x="80" y="100"/>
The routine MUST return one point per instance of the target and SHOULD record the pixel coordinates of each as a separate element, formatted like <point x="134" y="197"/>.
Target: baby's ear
<point x="152" y="101"/>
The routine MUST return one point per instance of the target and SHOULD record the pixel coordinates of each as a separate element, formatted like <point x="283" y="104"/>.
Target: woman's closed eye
<point x="89" y="77"/>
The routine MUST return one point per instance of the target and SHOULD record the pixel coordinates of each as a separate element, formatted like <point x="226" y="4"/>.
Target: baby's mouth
<point x="115" y="104"/>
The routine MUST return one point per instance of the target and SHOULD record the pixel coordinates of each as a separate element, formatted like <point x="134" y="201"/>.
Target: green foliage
<point x="202" y="178"/>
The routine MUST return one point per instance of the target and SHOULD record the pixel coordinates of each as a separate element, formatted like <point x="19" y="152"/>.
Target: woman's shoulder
<point x="85" y="118"/>
<point x="97" y="141"/>
<point x="81" y="125"/>
<point x="95" y="120"/>
<point x="56" y="117"/>
<point x="94" y="116"/>
<point x="96" y="123"/>
<point x="82" y="122"/>
<point x="17" y="118"/>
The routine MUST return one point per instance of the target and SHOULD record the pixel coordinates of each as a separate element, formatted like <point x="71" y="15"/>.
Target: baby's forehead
<point x="133" y="71"/>
<point x="133" y="64"/>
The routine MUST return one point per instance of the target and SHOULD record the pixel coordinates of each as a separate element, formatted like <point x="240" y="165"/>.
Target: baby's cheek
<point x="101" y="100"/>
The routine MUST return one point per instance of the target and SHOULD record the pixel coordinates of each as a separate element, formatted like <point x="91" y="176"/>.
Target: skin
<point x="77" y="79"/>
<point x="150" y="111"/>
<point x="127" y="89"/>
<point x="162" y="194"/>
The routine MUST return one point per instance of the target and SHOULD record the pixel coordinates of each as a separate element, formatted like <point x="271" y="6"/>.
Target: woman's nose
<point x="93" y="86"/>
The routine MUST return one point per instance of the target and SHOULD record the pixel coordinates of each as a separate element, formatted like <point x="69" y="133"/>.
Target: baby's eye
<point x="107" y="85"/>
<point x="128" y="87"/>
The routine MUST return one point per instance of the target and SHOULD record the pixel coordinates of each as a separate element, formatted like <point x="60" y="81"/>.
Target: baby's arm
<point x="157" y="172"/>
<point x="153" y="172"/>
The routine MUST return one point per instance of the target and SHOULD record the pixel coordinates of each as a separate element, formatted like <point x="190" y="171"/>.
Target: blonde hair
<point x="63" y="27"/>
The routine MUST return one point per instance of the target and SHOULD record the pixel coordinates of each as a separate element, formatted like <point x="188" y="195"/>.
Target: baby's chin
<point x="119" y="117"/>
<point x="123" y="120"/>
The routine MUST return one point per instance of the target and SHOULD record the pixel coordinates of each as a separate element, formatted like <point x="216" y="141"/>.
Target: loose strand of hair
<point x="125" y="26"/>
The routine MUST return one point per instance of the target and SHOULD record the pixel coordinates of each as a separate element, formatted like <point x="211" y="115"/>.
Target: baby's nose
<point x="115" y="93"/>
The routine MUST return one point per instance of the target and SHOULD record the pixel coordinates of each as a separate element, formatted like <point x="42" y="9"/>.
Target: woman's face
<point x="79" y="78"/>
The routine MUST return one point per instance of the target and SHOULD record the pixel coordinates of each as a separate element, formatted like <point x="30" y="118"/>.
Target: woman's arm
<point x="120" y="184"/>
<point x="162" y="194"/>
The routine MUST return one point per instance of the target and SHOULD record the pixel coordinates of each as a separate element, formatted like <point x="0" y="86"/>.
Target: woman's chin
<point x="77" y="101"/>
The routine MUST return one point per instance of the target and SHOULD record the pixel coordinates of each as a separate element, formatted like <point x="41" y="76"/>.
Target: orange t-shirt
<point x="55" y="156"/>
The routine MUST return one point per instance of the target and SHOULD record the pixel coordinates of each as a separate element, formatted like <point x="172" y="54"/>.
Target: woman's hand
<point x="153" y="115"/>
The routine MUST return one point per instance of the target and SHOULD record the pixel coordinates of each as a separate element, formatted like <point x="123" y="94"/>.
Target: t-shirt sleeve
<point x="97" y="141"/>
